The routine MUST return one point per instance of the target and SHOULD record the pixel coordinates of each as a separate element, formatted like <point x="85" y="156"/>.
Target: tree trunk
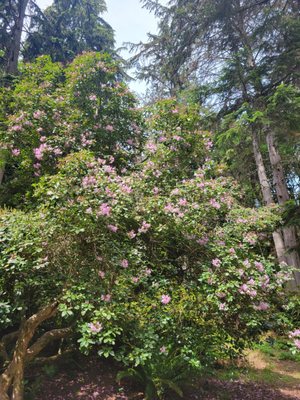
<point x="13" y="376"/>
<point x="267" y="195"/>
<point x="2" y="170"/>
<point x="289" y="232"/>
<point x="15" y="44"/>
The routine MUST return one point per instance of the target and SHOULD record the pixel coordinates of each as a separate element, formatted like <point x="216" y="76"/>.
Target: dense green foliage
<point x="83" y="105"/>
<point x="158" y="264"/>
<point x="67" y="28"/>
<point x="163" y="237"/>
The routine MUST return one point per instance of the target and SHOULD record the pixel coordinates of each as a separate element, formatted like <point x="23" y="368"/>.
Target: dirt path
<point x="91" y="379"/>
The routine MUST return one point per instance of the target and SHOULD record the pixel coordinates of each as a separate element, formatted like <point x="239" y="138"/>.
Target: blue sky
<point x="131" y="24"/>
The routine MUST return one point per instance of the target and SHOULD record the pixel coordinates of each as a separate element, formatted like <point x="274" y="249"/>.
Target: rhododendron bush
<point x="54" y="110"/>
<point x="151" y="261"/>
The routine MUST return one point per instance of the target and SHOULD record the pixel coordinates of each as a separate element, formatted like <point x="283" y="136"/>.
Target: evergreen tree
<point x="67" y="28"/>
<point x="242" y="52"/>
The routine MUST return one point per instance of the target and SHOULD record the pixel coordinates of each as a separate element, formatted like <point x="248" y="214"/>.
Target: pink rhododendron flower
<point x="183" y="202"/>
<point x="131" y="234"/>
<point x="151" y="147"/>
<point x="106" y="297"/>
<point x="89" y="210"/>
<point x="246" y="263"/>
<point x="15" y="152"/>
<point x="112" y="228"/>
<point x="144" y="227"/>
<point x="216" y="262"/>
<point x="259" y="266"/>
<point x="126" y="188"/>
<point x="262" y="306"/>
<point x="16" y="128"/>
<point x="203" y="241"/>
<point x="222" y="306"/>
<point x="92" y="97"/>
<point x="109" y="128"/>
<point x="214" y="203"/>
<point x="105" y="209"/>
<point x="101" y="274"/>
<point x="38" y="114"/>
<point x="232" y="251"/>
<point x="163" y="350"/>
<point x="95" y="327"/>
<point x="135" y="279"/>
<point x="297" y="343"/>
<point x="124" y="263"/>
<point x="39" y="151"/>
<point x="155" y="190"/>
<point x="295" y="333"/>
<point x="165" y="299"/>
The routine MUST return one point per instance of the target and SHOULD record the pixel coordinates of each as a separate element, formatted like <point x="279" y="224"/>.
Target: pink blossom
<point x="106" y="298"/>
<point x="15" y="152"/>
<point x="222" y="306"/>
<point x="89" y="180"/>
<point x="92" y="97"/>
<point x="131" y="234"/>
<point x="232" y="251"/>
<point x="16" y="128"/>
<point x="165" y="299"/>
<point x="175" y="111"/>
<point x="259" y="266"/>
<point x="39" y="151"/>
<point x="297" y="343"/>
<point x="105" y="209"/>
<point x="151" y="147"/>
<point x="177" y="138"/>
<point x="109" y="128"/>
<point x="126" y="188"/>
<point x="135" y="279"/>
<point x="124" y="263"/>
<point x="163" y="350"/>
<point x="295" y="333"/>
<point x="101" y="274"/>
<point x="57" y="151"/>
<point x="203" y="241"/>
<point x="112" y="228"/>
<point x="95" y="327"/>
<point x="144" y="227"/>
<point x="89" y="210"/>
<point x="38" y="114"/>
<point x="262" y="306"/>
<point x="216" y="262"/>
<point x="162" y="139"/>
<point x="148" y="271"/>
<point x="214" y="203"/>
<point x="155" y="190"/>
<point x="183" y="202"/>
<point x="243" y="289"/>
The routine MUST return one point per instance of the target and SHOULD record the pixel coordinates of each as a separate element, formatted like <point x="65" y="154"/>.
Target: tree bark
<point x="15" y="45"/>
<point x="13" y="376"/>
<point x="2" y="170"/>
<point x="267" y="195"/>
<point x="279" y="180"/>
